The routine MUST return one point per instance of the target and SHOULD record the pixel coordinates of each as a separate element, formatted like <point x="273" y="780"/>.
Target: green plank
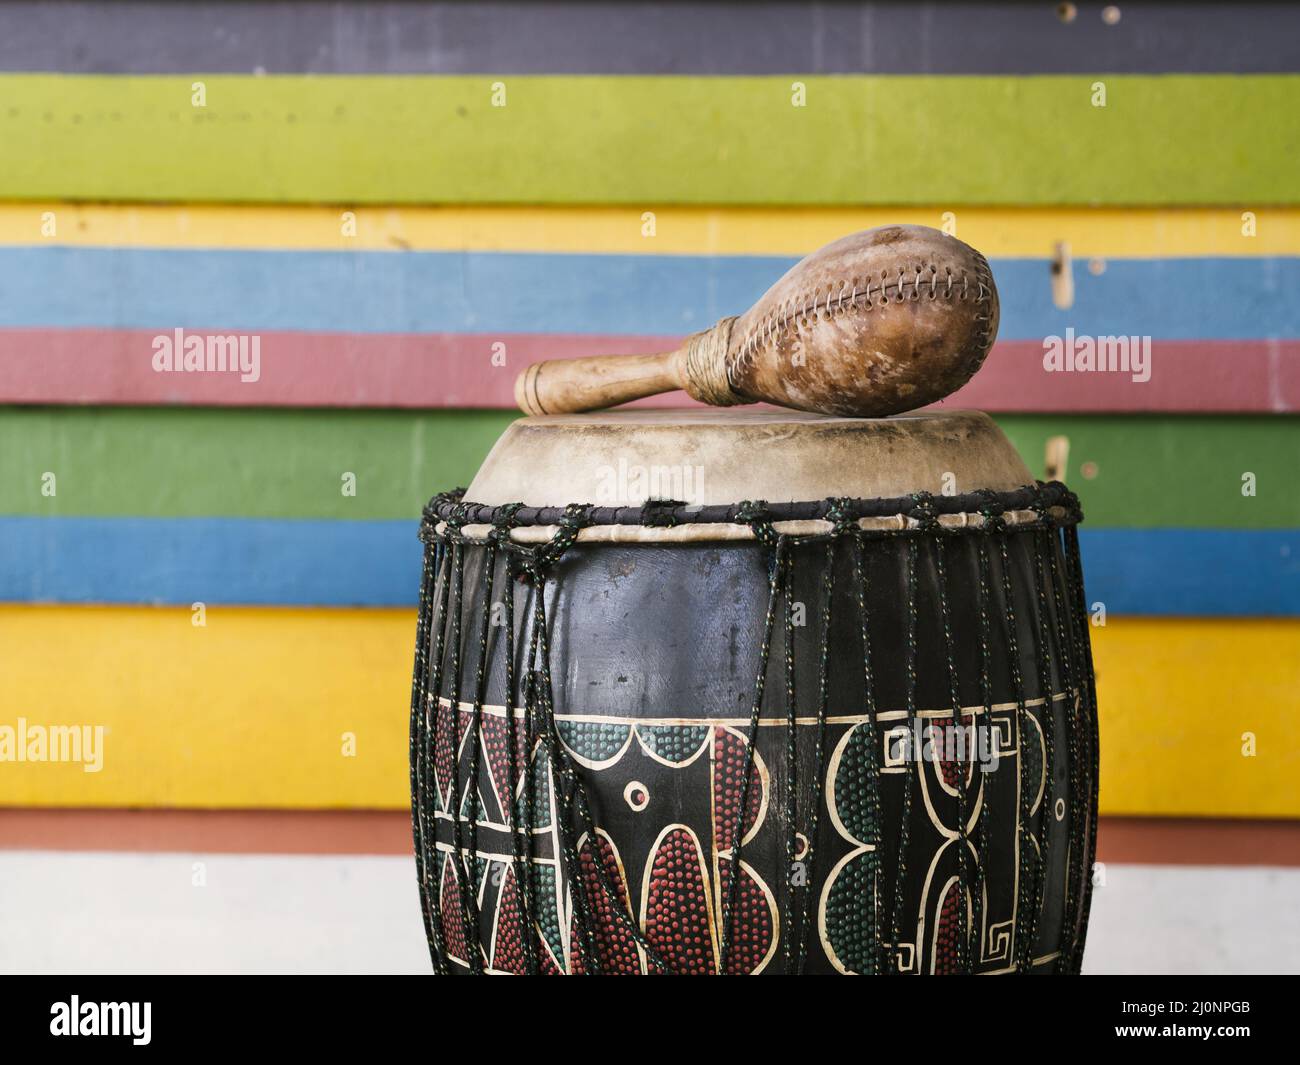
<point x="247" y="463"/>
<point x="1146" y="471"/>
<point x="1172" y="139"/>
<point x="1141" y="471"/>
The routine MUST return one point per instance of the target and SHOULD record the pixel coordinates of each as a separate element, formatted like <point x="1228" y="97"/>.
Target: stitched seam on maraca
<point x="779" y="318"/>
<point x="986" y="321"/>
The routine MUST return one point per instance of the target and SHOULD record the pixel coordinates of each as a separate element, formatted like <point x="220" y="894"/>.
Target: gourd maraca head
<point x="879" y="322"/>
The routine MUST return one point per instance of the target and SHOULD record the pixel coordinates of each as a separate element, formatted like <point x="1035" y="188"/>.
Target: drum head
<point x="710" y="457"/>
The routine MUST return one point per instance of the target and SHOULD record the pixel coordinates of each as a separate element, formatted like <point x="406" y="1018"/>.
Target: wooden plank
<point x="510" y="292"/>
<point x="1168" y="572"/>
<point x="438" y="370"/>
<point x="641" y="38"/>
<point x="859" y="140"/>
<point x="251" y="711"/>
<point x="1013" y="232"/>
<point x="1130" y="840"/>
<point x="1129" y="471"/>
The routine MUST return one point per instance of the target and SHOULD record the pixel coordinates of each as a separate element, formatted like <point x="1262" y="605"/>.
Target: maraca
<point x="876" y="323"/>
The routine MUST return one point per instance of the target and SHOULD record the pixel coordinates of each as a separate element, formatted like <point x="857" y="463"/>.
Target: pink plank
<point x="1187" y="376"/>
<point x="98" y="366"/>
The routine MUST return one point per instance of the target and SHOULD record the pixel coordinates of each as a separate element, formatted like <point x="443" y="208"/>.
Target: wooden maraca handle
<point x="567" y="386"/>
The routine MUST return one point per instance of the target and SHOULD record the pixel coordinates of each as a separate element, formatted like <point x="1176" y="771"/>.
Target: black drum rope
<point x="979" y="919"/>
<point x="1023" y="949"/>
<point x="963" y="961"/>
<point x="876" y="819"/>
<point x="573" y="795"/>
<point x="441" y="619"/>
<point x="487" y="575"/>
<point x="1074" y="566"/>
<point x="431" y="711"/>
<point x="755" y="515"/>
<point x="1053" y="494"/>
<point x="532" y="746"/>
<point x="464" y="873"/>
<point x="1047" y="811"/>
<point x="788" y="945"/>
<point x="819" y="754"/>
<point x="562" y="788"/>
<point x="419" y="707"/>
<point x="1070" y="685"/>
<point x="905" y="819"/>
<point x="522" y="874"/>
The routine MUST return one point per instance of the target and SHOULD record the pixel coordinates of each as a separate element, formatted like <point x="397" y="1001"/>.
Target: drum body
<point x="848" y="730"/>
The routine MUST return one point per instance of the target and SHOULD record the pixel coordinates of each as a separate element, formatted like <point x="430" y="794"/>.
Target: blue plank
<point x="1193" y="572"/>
<point x="485" y="292"/>
<point x="209" y="560"/>
<point x="1174" y="572"/>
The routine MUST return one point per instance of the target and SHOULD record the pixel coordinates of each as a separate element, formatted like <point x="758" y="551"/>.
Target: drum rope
<point x="1071" y="684"/>
<point x="979" y="889"/>
<point x="561" y="788"/>
<point x="1023" y="950"/>
<point x="523" y="877"/>
<point x="788" y="946"/>
<point x="560" y="760"/>
<point x="756" y="513"/>
<point x="464" y="871"/>
<point x="430" y="747"/>
<point x="1074" y="566"/>
<point x="419" y="708"/>
<point x="669" y="513"/>
<point x="532" y="745"/>
<point x="963" y="901"/>
<point x="900" y="860"/>
<point x="487" y="575"/>
<point x="1047" y="811"/>
<point x="819" y="755"/>
<point x="875" y="817"/>
<point x="575" y="518"/>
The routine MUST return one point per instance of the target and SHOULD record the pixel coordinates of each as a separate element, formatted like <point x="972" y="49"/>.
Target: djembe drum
<point x="753" y="692"/>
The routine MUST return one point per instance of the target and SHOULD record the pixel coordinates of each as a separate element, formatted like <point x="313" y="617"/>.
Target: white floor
<point x="111" y="913"/>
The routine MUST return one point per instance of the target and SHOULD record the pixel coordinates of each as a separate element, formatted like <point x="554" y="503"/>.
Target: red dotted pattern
<point x="444" y="752"/>
<point x="729" y="754"/>
<point x="677" y="909"/>
<point x="615" y="947"/>
<point x="496" y="744"/>
<point x="752" y="932"/>
<point x="508" y="954"/>
<point x="453" y="916"/>
<point x="950" y="926"/>
<point x="953" y="770"/>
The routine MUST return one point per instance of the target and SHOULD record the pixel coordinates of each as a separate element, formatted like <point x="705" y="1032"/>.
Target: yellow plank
<point x="252" y="709"/>
<point x="1001" y="232"/>
<point x="1182" y="700"/>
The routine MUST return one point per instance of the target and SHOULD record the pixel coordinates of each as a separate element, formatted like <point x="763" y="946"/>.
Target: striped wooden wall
<point x="349" y="193"/>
